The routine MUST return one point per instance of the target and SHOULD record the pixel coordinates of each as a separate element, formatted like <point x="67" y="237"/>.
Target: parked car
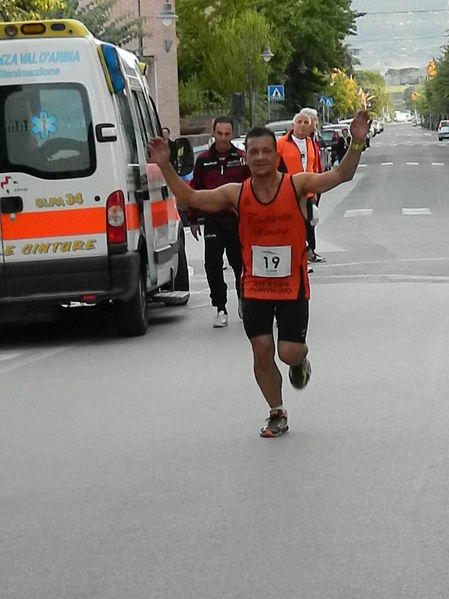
<point x="443" y="130"/>
<point x="378" y="126"/>
<point x="331" y="135"/>
<point x="325" y="153"/>
<point x="332" y="131"/>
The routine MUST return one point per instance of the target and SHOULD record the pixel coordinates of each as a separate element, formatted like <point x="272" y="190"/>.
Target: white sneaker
<point x="240" y="309"/>
<point x="221" y="320"/>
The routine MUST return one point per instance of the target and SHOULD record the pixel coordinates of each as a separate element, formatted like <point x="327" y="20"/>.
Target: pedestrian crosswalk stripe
<point x="411" y="211"/>
<point x="358" y="212"/>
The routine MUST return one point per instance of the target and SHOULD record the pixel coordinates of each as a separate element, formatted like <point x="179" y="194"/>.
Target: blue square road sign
<point x="276" y="93"/>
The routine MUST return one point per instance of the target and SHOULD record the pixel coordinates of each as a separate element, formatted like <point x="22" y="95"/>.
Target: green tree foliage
<point x="20" y="10"/>
<point x="343" y="91"/>
<point x="318" y="45"/>
<point x="215" y="43"/>
<point x="307" y="39"/>
<point x="373" y="84"/>
<point x="432" y="99"/>
<point x="96" y="15"/>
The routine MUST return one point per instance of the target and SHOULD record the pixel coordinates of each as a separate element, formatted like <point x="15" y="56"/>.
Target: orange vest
<point x="273" y="240"/>
<point x="291" y="156"/>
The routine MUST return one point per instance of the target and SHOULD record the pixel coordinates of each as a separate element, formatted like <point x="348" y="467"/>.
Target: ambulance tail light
<point x="116" y="219"/>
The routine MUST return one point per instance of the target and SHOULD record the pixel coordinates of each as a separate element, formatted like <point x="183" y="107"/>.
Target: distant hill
<point x="400" y="39"/>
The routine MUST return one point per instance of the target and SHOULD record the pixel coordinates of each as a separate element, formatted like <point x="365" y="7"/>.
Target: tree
<point x="97" y="15"/>
<point x="16" y="10"/>
<point x="319" y="45"/>
<point x="343" y="92"/>
<point x="216" y="40"/>
<point x="373" y="84"/>
<point x="306" y="37"/>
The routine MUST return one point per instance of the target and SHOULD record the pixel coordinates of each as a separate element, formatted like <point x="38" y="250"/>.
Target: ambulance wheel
<point x="131" y="315"/>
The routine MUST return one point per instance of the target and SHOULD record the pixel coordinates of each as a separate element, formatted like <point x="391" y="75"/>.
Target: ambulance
<point x="85" y="216"/>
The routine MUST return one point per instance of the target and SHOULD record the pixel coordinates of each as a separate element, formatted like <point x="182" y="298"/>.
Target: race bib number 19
<point x="271" y="261"/>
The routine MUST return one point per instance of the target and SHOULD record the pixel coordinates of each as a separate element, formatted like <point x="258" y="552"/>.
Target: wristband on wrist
<point x="356" y="147"/>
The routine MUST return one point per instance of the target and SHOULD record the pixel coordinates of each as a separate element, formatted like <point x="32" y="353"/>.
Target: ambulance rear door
<point x="55" y="184"/>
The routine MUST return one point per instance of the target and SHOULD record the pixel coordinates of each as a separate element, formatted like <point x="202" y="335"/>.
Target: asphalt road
<point x="133" y="469"/>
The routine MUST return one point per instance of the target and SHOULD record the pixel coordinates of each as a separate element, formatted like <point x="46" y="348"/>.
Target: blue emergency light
<point x="113" y="73"/>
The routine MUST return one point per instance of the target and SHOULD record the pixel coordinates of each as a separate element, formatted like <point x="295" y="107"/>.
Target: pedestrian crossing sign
<point x="276" y="93"/>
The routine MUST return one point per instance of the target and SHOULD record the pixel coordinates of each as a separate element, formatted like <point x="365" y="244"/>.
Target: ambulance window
<point x="144" y="110"/>
<point x="140" y="119"/>
<point x="155" y="118"/>
<point x="46" y="130"/>
<point x="128" y="127"/>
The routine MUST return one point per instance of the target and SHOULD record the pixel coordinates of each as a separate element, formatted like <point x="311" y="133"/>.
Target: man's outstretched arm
<point x="210" y="200"/>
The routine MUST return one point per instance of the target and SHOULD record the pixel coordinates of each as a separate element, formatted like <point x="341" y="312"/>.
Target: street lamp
<point x="167" y="14"/>
<point x="167" y="17"/>
<point x="140" y="40"/>
<point x="266" y="54"/>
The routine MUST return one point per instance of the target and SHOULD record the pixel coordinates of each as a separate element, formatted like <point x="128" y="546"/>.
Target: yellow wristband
<point x="356" y="147"/>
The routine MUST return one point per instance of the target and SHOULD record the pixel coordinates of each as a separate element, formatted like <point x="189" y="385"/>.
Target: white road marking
<point x="437" y="163"/>
<point x="25" y="361"/>
<point x="412" y="163"/>
<point x="411" y="211"/>
<point x="386" y="163"/>
<point x="358" y="212"/>
<point x="8" y="356"/>
<point x="360" y="165"/>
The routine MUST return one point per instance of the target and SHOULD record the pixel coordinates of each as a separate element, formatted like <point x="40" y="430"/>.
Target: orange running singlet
<point x="273" y="241"/>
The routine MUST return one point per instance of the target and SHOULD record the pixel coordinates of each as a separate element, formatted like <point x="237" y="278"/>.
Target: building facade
<point x="158" y="49"/>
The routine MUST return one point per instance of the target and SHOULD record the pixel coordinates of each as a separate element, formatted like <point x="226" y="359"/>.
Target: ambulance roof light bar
<point x="46" y="28"/>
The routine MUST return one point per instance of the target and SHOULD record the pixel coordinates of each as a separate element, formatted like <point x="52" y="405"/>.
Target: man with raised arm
<point x="271" y="212"/>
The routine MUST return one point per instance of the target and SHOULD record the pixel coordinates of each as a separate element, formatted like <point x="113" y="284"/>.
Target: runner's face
<point x="223" y="135"/>
<point x="261" y="155"/>
<point x="301" y="126"/>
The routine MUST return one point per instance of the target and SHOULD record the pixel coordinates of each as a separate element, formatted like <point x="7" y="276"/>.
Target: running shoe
<point x="300" y="374"/>
<point x="221" y="320"/>
<point x="316" y="258"/>
<point x="276" y="424"/>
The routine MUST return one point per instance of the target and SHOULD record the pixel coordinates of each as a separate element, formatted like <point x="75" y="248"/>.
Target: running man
<point x="271" y="207"/>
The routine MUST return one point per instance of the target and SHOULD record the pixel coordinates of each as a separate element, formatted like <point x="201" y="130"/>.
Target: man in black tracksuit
<point x="222" y="163"/>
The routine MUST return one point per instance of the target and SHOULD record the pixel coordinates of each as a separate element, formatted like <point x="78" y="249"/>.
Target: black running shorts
<point x="292" y="318"/>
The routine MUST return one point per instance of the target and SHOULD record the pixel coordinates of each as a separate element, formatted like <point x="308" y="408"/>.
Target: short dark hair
<point x="221" y="119"/>
<point x="260" y="132"/>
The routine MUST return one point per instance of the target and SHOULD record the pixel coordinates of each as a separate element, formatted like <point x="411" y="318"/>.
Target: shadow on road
<point x="48" y="325"/>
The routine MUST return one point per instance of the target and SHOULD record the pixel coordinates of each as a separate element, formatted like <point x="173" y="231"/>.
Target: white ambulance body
<point x="84" y="216"/>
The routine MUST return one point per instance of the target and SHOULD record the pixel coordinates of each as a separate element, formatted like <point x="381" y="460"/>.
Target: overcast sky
<point x="400" y="33"/>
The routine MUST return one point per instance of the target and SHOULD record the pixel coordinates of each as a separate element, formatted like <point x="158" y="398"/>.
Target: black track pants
<point x="221" y="235"/>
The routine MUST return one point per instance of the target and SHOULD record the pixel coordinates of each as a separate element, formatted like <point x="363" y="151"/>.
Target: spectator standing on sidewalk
<point x="221" y="163"/>
<point x="312" y="206"/>
<point x="343" y="144"/>
<point x="270" y="208"/>
<point x="172" y="146"/>
<point x="298" y="154"/>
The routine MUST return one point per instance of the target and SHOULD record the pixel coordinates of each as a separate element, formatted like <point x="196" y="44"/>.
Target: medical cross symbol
<point x="43" y="124"/>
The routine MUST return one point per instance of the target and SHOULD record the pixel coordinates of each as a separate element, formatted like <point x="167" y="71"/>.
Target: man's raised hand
<point x="159" y="150"/>
<point x="359" y="126"/>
